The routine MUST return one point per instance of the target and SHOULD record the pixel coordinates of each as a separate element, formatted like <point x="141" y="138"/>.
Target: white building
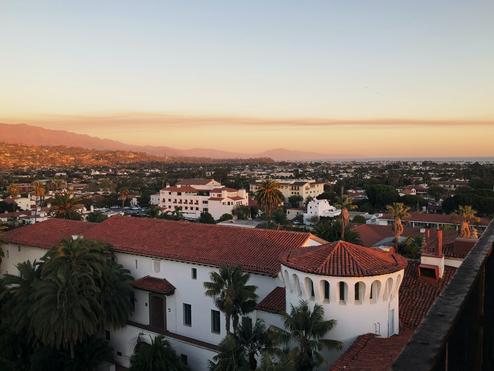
<point x="170" y="261"/>
<point x="320" y="209"/>
<point x="294" y="187"/>
<point x="195" y="196"/>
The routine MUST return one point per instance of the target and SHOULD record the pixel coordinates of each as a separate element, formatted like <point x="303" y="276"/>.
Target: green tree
<point x="411" y="247"/>
<point x="330" y="230"/>
<point x="359" y="219"/>
<point x="96" y="217"/>
<point x="254" y="340"/>
<point x="157" y="355"/>
<point x="381" y="195"/>
<point x="306" y="328"/>
<point x="225" y="217"/>
<point x="242" y="212"/>
<point x="269" y="197"/>
<point x="232" y="295"/>
<point x="206" y="218"/>
<point x="65" y="206"/>
<point x="230" y="357"/>
<point x="295" y="200"/>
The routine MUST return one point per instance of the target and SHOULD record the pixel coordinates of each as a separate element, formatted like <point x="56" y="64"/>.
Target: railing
<point x="458" y="331"/>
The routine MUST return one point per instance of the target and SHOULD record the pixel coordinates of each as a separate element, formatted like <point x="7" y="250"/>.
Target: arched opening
<point x="325" y="291"/>
<point x="286" y="277"/>
<point x="387" y="288"/>
<point x="375" y="291"/>
<point x="296" y="283"/>
<point x="342" y="292"/>
<point x="359" y="292"/>
<point x="397" y="286"/>
<point x="309" y="288"/>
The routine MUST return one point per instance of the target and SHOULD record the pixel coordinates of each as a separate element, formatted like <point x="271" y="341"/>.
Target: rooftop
<point x="344" y="259"/>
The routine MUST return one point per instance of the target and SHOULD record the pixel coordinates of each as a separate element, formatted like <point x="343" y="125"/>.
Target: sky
<point x="349" y="78"/>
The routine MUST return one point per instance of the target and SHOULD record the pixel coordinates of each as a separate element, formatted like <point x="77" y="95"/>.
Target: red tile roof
<point x="274" y="302"/>
<point x="185" y="189"/>
<point x="344" y="259"/>
<point x="459" y="248"/>
<point x="435" y="218"/>
<point x="370" y="234"/>
<point x="255" y="250"/>
<point x="370" y="353"/>
<point x="46" y="234"/>
<point x="195" y="181"/>
<point x="153" y="284"/>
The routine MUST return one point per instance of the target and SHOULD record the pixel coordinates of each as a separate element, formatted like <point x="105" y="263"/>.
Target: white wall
<point x="15" y="254"/>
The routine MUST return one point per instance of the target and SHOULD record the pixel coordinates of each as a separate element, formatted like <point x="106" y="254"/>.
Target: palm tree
<point x="123" y="195"/>
<point x="269" y="197"/>
<point x="307" y="328"/>
<point x="344" y="203"/>
<point x="64" y="206"/>
<point x="399" y="212"/>
<point x="155" y="356"/>
<point x="39" y="192"/>
<point x="13" y="191"/>
<point x="58" y="184"/>
<point x="230" y="357"/>
<point x="232" y="294"/>
<point x="330" y="230"/>
<point x="467" y="215"/>
<point x="254" y="340"/>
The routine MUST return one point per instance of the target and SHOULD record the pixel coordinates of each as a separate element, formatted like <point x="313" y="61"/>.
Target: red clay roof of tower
<point x="344" y="259"/>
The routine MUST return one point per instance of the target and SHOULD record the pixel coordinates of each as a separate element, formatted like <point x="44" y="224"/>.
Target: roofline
<point x="284" y="263"/>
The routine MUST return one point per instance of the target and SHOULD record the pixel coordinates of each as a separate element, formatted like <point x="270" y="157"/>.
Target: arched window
<point x="397" y="286"/>
<point x="359" y="292"/>
<point x="387" y="288"/>
<point x="325" y="292"/>
<point x="309" y="288"/>
<point x="342" y="292"/>
<point x="287" y="280"/>
<point x="375" y="291"/>
<point x="296" y="283"/>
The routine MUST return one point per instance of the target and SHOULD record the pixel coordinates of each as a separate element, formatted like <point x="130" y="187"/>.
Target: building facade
<point x="302" y="188"/>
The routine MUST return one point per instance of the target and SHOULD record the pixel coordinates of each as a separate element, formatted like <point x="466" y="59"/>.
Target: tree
<point x="399" y="212"/>
<point x="123" y="195"/>
<point x="13" y="191"/>
<point x="173" y="215"/>
<point x="380" y="195"/>
<point x="231" y="293"/>
<point x="344" y="203"/>
<point x="436" y="192"/>
<point x="307" y="328"/>
<point x="157" y="355"/>
<point x="39" y="192"/>
<point x="254" y="340"/>
<point x="269" y="197"/>
<point x="242" y="212"/>
<point x="206" y="218"/>
<point x="96" y="217"/>
<point x="230" y="357"/>
<point x="65" y="206"/>
<point x="467" y="215"/>
<point x="359" y="219"/>
<point x="295" y="200"/>
<point x="330" y="230"/>
<point x="225" y="217"/>
<point x="411" y="248"/>
<point x="279" y="217"/>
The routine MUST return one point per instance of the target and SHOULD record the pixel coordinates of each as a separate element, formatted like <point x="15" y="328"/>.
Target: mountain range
<point x="35" y="135"/>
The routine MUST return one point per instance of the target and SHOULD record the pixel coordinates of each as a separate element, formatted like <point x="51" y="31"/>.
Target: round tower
<point x="357" y="286"/>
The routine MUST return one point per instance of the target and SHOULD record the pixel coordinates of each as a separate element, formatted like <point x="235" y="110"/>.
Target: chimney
<point x="439" y="243"/>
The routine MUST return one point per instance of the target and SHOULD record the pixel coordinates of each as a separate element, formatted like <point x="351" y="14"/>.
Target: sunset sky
<point x="347" y="78"/>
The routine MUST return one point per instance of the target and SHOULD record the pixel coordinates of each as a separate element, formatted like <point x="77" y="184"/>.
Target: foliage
<point x="231" y="356"/>
<point x="96" y="217"/>
<point x="242" y="212"/>
<point x="232" y="295"/>
<point x="330" y="230"/>
<point x="380" y="195"/>
<point x="157" y="355"/>
<point x="173" y="215"/>
<point x="295" y="200"/>
<point x="269" y="197"/>
<point x="332" y="197"/>
<point x="411" y="248"/>
<point x="206" y="218"/>
<point x="480" y="200"/>
<point x="359" y="219"/>
<point x="279" y="217"/>
<point x="64" y="206"/>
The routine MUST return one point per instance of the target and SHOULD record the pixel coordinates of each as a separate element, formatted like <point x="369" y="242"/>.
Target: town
<point x="344" y="238"/>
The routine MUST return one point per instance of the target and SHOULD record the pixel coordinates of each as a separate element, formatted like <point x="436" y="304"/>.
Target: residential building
<point x="294" y="187"/>
<point x="317" y="209"/>
<point x="195" y="196"/>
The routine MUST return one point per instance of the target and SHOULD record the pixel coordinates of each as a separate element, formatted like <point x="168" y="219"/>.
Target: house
<point x="359" y="287"/>
<point x="317" y="209"/>
<point x="195" y="196"/>
<point x="294" y="187"/>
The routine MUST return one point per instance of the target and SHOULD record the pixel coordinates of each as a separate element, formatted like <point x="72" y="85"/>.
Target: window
<point x="215" y="321"/>
<point x="136" y="263"/>
<point x="342" y="287"/>
<point x="187" y="315"/>
<point x="194" y="273"/>
<point x="156" y="266"/>
<point x="326" y="290"/>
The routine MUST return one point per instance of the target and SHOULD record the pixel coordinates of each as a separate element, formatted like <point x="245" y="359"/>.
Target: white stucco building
<point x="304" y="188"/>
<point x="320" y="209"/>
<point x="194" y="196"/>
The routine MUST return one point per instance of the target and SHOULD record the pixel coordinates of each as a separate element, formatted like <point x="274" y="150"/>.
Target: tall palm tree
<point x="269" y="197"/>
<point x="58" y="184"/>
<point x="468" y="215"/>
<point x="232" y="294"/>
<point x="64" y="206"/>
<point x="307" y="329"/>
<point x="123" y="195"/>
<point x="254" y="339"/>
<point x="13" y="191"/>
<point x="344" y="203"/>
<point x="39" y="192"/>
<point x="157" y="355"/>
<point x="230" y="357"/>
<point x="399" y="212"/>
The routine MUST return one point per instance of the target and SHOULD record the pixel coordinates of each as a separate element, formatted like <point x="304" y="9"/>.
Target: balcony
<point x="458" y="331"/>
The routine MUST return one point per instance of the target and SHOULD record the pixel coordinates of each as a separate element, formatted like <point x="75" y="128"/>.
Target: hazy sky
<point x="343" y="77"/>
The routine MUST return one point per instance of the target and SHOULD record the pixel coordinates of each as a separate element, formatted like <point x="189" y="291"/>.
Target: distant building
<point x="195" y="196"/>
<point x="320" y="209"/>
<point x="297" y="187"/>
